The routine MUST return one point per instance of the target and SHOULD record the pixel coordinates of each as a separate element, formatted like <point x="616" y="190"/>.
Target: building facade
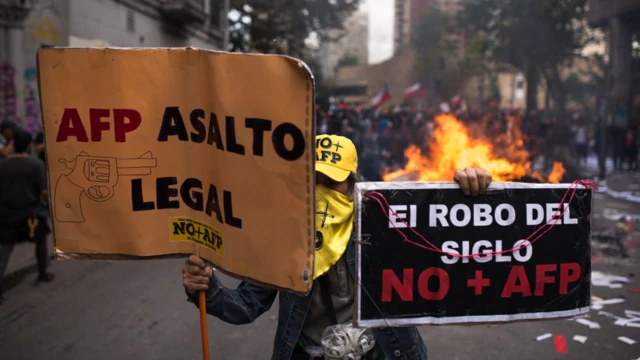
<point x="352" y="41"/>
<point x="621" y="21"/>
<point x="26" y="25"/>
<point x="359" y="84"/>
<point x="407" y="15"/>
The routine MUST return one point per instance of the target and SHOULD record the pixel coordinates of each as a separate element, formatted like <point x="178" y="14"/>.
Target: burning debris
<point x="452" y="146"/>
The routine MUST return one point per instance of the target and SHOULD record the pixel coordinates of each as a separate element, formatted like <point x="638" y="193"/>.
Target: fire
<point x="452" y="147"/>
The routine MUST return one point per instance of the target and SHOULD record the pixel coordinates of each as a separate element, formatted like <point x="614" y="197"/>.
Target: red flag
<point x="382" y="97"/>
<point x="414" y="91"/>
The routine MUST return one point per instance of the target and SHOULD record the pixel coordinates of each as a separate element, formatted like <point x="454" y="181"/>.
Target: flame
<point x="556" y="173"/>
<point x="453" y="147"/>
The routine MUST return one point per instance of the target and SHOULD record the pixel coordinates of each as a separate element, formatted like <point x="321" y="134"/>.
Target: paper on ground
<point x="590" y="324"/>
<point x="625" y="339"/>
<point x="543" y="336"/>
<point x="603" y="279"/>
<point x="632" y="313"/>
<point x="632" y="321"/>
<point x="621" y="322"/>
<point x="607" y="302"/>
<point x="610" y="315"/>
<point x="579" y="338"/>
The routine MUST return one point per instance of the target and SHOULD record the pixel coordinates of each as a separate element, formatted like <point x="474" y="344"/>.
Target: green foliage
<point x="539" y="37"/>
<point x="283" y="26"/>
<point x="347" y="60"/>
<point x="520" y="32"/>
<point x="436" y="43"/>
<point x="581" y="86"/>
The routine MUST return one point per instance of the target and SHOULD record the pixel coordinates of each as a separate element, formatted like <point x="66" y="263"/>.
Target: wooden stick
<point x="202" y="301"/>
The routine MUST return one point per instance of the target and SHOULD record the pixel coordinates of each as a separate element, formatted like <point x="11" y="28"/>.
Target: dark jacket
<point x="247" y="302"/>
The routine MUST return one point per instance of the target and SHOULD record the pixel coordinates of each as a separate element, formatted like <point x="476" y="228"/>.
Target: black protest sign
<point x="471" y="272"/>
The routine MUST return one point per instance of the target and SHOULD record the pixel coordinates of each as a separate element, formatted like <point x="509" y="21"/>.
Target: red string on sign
<point x="382" y="201"/>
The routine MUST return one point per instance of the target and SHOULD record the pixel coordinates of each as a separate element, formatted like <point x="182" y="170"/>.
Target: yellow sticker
<point x="187" y="229"/>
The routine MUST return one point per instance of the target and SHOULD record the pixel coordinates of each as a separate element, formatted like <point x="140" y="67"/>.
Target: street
<point x="156" y="128"/>
<point x="138" y="310"/>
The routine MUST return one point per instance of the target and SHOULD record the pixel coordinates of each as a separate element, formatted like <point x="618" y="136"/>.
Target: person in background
<point x="7" y="129"/>
<point x="39" y="147"/>
<point x="630" y="148"/>
<point x="582" y="149"/>
<point x="617" y="141"/>
<point x="43" y="211"/>
<point x="23" y="181"/>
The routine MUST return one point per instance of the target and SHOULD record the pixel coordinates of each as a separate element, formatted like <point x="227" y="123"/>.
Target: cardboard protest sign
<point x="167" y="152"/>
<point x="469" y="275"/>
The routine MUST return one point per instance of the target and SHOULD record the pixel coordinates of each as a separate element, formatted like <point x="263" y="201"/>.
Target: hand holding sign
<point x="194" y="190"/>
<point x="473" y="181"/>
<point x="196" y="275"/>
<point x="520" y="252"/>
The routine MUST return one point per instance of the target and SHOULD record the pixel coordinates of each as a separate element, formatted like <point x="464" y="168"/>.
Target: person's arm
<point x="6" y="150"/>
<point x="39" y="143"/>
<point x="41" y="181"/>
<point x="242" y="305"/>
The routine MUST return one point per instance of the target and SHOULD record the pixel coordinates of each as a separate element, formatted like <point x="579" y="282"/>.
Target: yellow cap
<point x="336" y="156"/>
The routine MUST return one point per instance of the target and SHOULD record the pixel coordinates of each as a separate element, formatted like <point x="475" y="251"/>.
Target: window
<point x="131" y="21"/>
<point x="352" y="90"/>
<point x="216" y="7"/>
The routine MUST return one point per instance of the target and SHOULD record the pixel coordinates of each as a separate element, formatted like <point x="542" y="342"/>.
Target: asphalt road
<point x="138" y="310"/>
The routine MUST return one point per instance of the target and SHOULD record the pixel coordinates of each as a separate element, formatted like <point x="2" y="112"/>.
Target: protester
<point x="42" y="212"/>
<point x="7" y="129"/>
<point x="630" y="148"/>
<point x="39" y="147"/>
<point x="581" y="141"/>
<point x="23" y="182"/>
<point x="302" y="319"/>
<point x="617" y="141"/>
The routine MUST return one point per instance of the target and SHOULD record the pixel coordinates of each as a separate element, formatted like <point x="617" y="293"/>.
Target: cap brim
<point x="333" y="172"/>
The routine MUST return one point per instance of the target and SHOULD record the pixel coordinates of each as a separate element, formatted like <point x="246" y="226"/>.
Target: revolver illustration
<point x="96" y="177"/>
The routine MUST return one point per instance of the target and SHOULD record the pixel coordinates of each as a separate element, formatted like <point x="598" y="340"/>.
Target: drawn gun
<point x="96" y="177"/>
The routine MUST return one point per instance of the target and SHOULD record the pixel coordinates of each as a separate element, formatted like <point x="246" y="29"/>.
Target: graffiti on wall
<point x="31" y="121"/>
<point x="45" y="31"/>
<point x="7" y="92"/>
<point x="30" y="74"/>
<point x="44" y="24"/>
<point x="31" y="106"/>
<point x="31" y="110"/>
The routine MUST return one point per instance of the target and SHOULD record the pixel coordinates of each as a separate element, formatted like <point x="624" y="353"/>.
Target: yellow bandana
<point x="334" y="222"/>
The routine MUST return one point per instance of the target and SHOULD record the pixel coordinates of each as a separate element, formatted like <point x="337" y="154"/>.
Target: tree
<point x="284" y="26"/>
<point x="436" y="45"/>
<point x="538" y="37"/>
<point x="584" y="86"/>
<point x="347" y="60"/>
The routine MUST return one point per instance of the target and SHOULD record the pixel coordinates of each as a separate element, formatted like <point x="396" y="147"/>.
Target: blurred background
<point x="565" y="73"/>
<point x="532" y="90"/>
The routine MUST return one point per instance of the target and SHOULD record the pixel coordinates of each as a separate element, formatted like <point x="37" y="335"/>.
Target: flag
<point x="414" y="91"/>
<point x="382" y="97"/>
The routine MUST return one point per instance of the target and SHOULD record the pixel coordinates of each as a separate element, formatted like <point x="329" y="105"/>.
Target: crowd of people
<point x="381" y="136"/>
<point x="24" y="210"/>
